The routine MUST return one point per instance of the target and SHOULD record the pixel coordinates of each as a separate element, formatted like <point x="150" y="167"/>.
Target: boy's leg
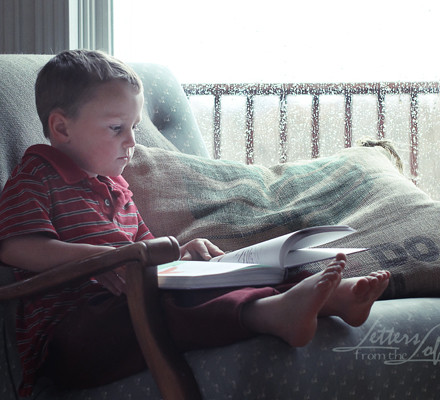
<point x="292" y="315"/>
<point x="210" y="318"/>
<point x="96" y="344"/>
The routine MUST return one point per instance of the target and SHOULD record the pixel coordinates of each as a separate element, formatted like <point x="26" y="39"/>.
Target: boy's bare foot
<point x="292" y="316"/>
<point x="353" y="298"/>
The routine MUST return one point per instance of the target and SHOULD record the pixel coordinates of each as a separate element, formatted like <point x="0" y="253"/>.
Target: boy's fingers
<point x="199" y="249"/>
<point x="213" y="249"/>
<point x="205" y="254"/>
<point x="186" y="256"/>
<point x="112" y="282"/>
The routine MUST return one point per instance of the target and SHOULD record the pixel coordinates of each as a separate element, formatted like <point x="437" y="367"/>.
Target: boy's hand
<point x="114" y="281"/>
<point x="199" y="249"/>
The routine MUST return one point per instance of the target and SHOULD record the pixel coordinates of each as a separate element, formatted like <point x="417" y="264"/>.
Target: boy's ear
<point x="57" y="122"/>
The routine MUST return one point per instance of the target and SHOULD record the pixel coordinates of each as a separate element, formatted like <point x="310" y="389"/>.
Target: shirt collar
<point x="69" y="171"/>
<point x="62" y="163"/>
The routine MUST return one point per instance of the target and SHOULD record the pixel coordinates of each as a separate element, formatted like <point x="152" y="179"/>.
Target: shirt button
<point x="107" y="202"/>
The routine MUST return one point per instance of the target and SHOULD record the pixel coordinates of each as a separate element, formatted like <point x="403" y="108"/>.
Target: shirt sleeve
<point x="25" y="207"/>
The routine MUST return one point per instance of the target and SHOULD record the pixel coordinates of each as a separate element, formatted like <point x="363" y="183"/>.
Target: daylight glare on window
<point x="282" y="40"/>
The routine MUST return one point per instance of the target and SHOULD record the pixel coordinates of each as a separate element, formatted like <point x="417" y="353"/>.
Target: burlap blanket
<point x="235" y="205"/>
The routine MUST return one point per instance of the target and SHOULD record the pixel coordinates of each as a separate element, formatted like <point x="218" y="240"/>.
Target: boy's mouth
<point x="124" y="160"/>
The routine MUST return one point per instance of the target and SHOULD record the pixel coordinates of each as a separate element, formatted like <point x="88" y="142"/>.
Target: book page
<point x="274" y="251"/>
<point x="313" y="254"/>
<point x="267" y="253"/>
<point x="317" y="236"/>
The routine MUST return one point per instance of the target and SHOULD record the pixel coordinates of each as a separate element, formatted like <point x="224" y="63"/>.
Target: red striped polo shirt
<point x="48" y="193"/>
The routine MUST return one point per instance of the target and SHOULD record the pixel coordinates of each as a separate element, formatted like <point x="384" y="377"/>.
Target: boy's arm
<point x="38" y="253"/>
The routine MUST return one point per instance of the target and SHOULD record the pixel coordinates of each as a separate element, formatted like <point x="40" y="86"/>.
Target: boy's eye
<point x="116" y="128"/>
<point x="135" y="128"/>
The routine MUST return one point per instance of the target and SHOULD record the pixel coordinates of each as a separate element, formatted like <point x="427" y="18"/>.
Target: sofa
<point x="395" y="354"/>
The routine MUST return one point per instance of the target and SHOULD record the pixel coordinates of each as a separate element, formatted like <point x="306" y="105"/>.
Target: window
<point x="321" y="41"/>
<point x="282" y="40"/>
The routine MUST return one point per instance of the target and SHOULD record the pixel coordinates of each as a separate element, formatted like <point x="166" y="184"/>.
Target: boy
<point x="68" y="200"/>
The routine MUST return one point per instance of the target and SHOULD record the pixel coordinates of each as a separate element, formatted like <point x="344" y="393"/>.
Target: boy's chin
<point x="118" y="172"/>
<point x="113" y="173"/>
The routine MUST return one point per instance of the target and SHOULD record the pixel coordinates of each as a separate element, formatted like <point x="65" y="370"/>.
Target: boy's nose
<point x="130" y="140"/>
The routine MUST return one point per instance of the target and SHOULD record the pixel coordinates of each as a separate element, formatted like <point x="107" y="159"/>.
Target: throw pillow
<point x="235" y="205"/>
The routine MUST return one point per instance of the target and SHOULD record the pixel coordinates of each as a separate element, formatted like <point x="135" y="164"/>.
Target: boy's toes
<point x="381" y="275"/>
<point x="330" y="277"/>
<point x="362" y="287"/>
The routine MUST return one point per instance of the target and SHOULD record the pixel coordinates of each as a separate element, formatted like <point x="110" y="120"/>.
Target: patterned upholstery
<point x="340" y="363"/>
<point x="169" y="110"/>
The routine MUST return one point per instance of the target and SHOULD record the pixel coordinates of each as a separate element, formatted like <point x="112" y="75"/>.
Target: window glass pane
<point x="318" y="41"/>
<point x="282" y="40"/>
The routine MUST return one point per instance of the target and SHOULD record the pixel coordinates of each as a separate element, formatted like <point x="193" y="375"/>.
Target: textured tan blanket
<point x="235" y="205"/>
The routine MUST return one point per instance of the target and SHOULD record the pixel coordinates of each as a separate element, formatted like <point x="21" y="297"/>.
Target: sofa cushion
<point x="235" y="205"/>
<point x="167" y="106"/>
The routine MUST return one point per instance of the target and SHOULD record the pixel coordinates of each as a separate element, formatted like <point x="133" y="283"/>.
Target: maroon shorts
<point x="96" y="344"/>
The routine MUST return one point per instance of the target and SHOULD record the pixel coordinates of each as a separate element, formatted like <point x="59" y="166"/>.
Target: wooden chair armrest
<point x="149" y="253"/>
<point x="167" y="365"/>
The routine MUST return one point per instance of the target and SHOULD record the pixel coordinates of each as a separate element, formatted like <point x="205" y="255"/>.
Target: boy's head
<point x="70" y="78"/>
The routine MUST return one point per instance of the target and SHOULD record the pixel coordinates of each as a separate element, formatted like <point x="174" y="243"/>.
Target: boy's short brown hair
<point x="69" y="79"/>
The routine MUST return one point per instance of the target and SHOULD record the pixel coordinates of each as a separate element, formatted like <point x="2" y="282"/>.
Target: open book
<point x="264" y="263"/>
